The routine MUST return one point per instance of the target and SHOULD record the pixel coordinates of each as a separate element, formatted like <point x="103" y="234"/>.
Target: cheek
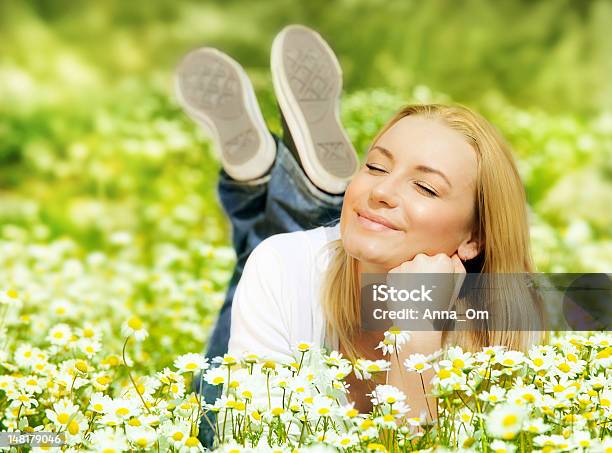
<point x="354" y="192"/>
<point x="357" y="188"/>
<point x="439" y="222"/>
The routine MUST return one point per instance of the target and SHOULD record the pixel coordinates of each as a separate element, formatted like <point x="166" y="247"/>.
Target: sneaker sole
<point x="307" y="80"/>
<point x="217" y="94"/>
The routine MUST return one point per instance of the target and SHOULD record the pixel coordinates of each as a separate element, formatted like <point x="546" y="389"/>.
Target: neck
<point x="369" y="268"/>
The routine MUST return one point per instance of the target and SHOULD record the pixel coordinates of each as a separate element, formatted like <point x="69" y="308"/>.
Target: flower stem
<point x="130" y="375"/>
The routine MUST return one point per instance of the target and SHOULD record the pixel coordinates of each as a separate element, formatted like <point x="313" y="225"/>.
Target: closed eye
<point x="422" y="188"/>
<point x="428" y="192"/>
<point x="373" y="168"/>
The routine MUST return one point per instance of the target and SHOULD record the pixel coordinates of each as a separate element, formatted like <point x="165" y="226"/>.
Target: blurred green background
<point x="93" y="144"/>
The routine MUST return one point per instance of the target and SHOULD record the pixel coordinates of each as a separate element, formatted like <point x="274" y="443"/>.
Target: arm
<point x="413" y="384"/>
<point x="260" y="320"/>
<point x="410" y="382"/>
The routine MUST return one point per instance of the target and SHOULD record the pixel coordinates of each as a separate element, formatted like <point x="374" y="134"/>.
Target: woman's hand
<point x="423" y="263"/>
<point x="424" y="342"/>
<point x="437" y="264"/>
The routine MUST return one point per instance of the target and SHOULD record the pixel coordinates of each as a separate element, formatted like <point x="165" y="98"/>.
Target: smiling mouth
<point x="373" y="224"/>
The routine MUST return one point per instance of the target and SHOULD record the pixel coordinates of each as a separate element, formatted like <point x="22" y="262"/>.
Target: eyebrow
<point x="422" y="168"/>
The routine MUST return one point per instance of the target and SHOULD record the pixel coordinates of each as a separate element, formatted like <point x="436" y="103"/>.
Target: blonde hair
<point x="500" y="226"/>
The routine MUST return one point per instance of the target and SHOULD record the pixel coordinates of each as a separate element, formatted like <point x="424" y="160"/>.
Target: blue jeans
<point x="285" y="200"/>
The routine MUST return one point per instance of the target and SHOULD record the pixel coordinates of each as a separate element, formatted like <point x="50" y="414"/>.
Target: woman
<point x="438" y="192"/>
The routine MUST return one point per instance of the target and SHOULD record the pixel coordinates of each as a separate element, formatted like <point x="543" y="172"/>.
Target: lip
<point x="370" y="220"/>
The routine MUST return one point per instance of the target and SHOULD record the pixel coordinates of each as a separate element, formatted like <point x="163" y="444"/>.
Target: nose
<point x="385" y="192"/>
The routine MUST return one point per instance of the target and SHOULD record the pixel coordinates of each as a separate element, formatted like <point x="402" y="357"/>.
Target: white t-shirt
<point x="277" y="301"/>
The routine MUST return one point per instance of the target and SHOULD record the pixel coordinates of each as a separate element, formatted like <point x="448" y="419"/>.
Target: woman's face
<point x="414" y="194"/>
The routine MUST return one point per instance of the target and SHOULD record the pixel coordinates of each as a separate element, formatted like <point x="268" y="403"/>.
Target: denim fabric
<point x="285" y="200"/>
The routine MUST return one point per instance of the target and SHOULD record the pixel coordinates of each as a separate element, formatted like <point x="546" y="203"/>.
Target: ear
<point x="469" y="248"/>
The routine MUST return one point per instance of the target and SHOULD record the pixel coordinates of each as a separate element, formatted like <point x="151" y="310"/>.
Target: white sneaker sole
<point x="217" y="94"/>
<point x="307" y="80"/>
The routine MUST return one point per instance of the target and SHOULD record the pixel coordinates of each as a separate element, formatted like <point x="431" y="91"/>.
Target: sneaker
<point x="308" y="82"/>
<point x="215" y="91"/>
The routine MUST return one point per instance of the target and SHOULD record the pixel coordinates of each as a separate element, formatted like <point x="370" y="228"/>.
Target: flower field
<point x="112" y="272"/>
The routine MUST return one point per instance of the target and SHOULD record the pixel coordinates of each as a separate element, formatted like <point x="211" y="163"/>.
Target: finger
<point x="398" y="269"/>
<point x="458" y="266"/>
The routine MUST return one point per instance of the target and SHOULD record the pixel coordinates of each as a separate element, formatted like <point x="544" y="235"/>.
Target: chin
<point x="374" y="247"/>
<point x="369" y="252"/>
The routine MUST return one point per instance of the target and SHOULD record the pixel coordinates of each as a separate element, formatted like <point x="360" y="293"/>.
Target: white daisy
<point x="417" y="362"/>
<point x="303" y="346"/>
<point x="555" y="440"/>
<point x="100" y="381"/>
<point x="177" y="389"/>
<point x="62" y="411"/>
<point x="505" y="421"/>
<point x="250" y="358"/>
<point x="489" y="353"/>
<point x="510" y="359"/>
<point x="499" y="446"/>
<point x="343" y="440"/>
<point x="582" y="439"/>
<point x="494" y="395"/>
<point x="108" y="440"/>
<point x="61" y="308"/>
<point x="60" y="335"/>
<point x="399" y="408"/>
<point x="193" y="445"/>
<point x="339" y="373"/>
<point x="141" y="436"/>
<point x="10" y="297"/>
<point x="538" y="361"/>
<point x="216" y="376"/>
<point x="227" y="360"/>
<point x="25" y="355"/>
<point x="32" y="384"/>
<point x="190" y="363"/>
<point x="100" y="403"/>
<point x="524" y="394"/>
<point x="347" y="411"/>
<point x="22" y="398"/>
<point x="387" y="421"/>
<point x="177" y="432"/>
<point x="123" y="408"/>
<point x="365" y="368"/>
<point x="448" y="377"/>
<point x="135" y="327"/>
<point x="387" y="394"/>
<point x="568" y="366"/>
<point x="322" y="406"/>
<point x="387" y="346"/>
<point x="282" y="379"/>
<point x="89" y="346"/>
<point x="335" y="358"/>
<point x="457" y="358"/>
<point x="76" y="428"/>
<point x="535" y="426"/>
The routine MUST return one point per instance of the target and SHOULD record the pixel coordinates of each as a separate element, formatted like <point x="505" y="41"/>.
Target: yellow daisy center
<point x="73" y="428"/>
<point x="509" y="420"/>
<point x="135" y="324"/>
